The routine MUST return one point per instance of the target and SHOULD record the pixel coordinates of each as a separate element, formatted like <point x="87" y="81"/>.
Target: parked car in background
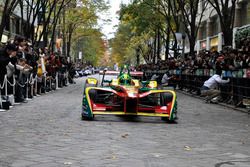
<point x="87" y="72"/>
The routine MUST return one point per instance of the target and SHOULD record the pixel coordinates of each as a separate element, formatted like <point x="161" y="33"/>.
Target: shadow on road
<point x="132" y="119"/>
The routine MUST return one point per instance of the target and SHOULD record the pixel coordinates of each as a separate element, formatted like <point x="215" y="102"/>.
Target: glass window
<point x="204" y="31"/>
<point x="215" y="26"/>
<point x="248" y="13"/>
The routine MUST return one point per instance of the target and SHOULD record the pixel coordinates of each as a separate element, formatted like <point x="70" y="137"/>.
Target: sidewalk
<point x="245" y="110"/>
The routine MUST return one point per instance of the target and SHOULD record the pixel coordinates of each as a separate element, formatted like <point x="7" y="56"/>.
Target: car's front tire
<point x="86" y="118"/>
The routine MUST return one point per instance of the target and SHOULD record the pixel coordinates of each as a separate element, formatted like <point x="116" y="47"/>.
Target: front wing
<point x="107" y="101"/>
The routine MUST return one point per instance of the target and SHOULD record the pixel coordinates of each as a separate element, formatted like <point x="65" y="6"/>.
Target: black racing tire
<point x="92" y="93"/>
<point x="166" y="119"/>
<point x="85" y="118"/>
<point x="165" y="98"/>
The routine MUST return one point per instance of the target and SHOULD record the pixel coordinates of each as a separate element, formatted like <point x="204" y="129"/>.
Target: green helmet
<point x="124" y="76"/>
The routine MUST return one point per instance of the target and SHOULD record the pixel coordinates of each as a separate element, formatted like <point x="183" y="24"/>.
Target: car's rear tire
<point x="166" y="119"/>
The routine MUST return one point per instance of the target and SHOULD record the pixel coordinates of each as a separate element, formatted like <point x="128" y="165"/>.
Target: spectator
<point x="208" y="88"/>
<point x="6" y="55"/>
<point x="165" y="79"/>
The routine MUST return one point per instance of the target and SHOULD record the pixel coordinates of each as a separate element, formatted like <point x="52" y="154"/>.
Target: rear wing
<point x="132" y="73"/>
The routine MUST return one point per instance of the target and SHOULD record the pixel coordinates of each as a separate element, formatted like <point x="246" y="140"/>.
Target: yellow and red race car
<point x="127" y="96"/>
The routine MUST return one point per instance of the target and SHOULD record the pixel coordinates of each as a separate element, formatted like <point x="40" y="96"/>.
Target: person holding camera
<point x="209" y="87"/>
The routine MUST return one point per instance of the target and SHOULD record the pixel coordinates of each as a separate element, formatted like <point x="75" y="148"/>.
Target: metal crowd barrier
<point x="236" y="91"/>
<point x="30" y="83"/>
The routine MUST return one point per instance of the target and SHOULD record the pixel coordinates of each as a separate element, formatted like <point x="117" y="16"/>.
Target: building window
<point x="215" y="25"/>
<point x="17" y="26"/>
<point x="204" y="31"/>
<point x="243" y="14"/>
<point x="13" y="25"/>
<point x="248" y="13"/>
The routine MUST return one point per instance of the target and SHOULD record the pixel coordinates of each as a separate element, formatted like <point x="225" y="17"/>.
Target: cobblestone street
<point x="48" y="132"/>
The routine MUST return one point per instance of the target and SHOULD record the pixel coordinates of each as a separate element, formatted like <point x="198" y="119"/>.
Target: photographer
<point x="208" y="89"/>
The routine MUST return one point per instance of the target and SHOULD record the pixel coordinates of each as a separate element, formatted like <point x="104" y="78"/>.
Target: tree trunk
<point x="154" y="48"/>
<point x="192" y="46"/>
<point x="228" y="36"/>
<point x="158" y="45"/>
<point x="69" y="44"/>
<point x="4" y="19"/>
<point x="167" y="43"/>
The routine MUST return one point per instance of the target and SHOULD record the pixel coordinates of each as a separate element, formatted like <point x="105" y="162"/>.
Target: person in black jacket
<point x="6" y="56"/>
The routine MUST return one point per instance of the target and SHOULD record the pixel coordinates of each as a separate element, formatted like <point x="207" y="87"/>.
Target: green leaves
<point x="81" y="30"/>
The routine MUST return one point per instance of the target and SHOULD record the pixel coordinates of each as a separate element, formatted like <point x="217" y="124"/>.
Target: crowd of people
<point x="228" y="59"/>
<point x="27" y="71"/>
<point x="186" y="78"/>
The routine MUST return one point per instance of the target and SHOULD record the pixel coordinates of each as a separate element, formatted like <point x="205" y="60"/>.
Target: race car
<point x="125" y="95"/>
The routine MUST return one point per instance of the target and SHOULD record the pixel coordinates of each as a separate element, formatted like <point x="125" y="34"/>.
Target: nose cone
<point x="132" y="92"/>
<point x="132" y="95"/>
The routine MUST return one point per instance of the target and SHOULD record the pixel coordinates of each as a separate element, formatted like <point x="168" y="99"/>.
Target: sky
<point x="109" y="29"/>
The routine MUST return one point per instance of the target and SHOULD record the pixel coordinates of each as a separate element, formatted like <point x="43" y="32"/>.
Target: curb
<point x="244" y="110"/>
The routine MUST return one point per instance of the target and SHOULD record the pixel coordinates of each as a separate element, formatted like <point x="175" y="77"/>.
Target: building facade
<point x="210" y="36"/>
<point x="14" y="26"/>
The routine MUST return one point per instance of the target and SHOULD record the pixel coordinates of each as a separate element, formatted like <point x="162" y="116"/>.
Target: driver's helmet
<point x="125" y="77"/>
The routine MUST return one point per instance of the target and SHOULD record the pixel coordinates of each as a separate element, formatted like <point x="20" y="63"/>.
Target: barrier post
<point x="36" y="85"/>
<point x="45" y="82"/>
<point x="1" y="103"/>
<point x="11" y="97"/>
<point x="6" y="86"/>
<point x="27" y="89"/>
<point x="14" y="84"/>
<point x="32" y="88"/>
<point x="57" y="80"/>
<point x="67" y="79"/>
<point x="1" y="88"/>
<point x="50" y="84"/>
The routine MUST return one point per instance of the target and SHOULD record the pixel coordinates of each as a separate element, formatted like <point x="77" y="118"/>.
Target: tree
<point x="190" y="12"/>
<point x="90" y="43"/>
<point x="80" y="26"/>
<point x="138" y="21"/>
<point x="31" y="9"/>
<point x="83" y="17"/>
<point x="170" y="10"/>
<point x="226" y="12"/>
<point x="9" y="6"/>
